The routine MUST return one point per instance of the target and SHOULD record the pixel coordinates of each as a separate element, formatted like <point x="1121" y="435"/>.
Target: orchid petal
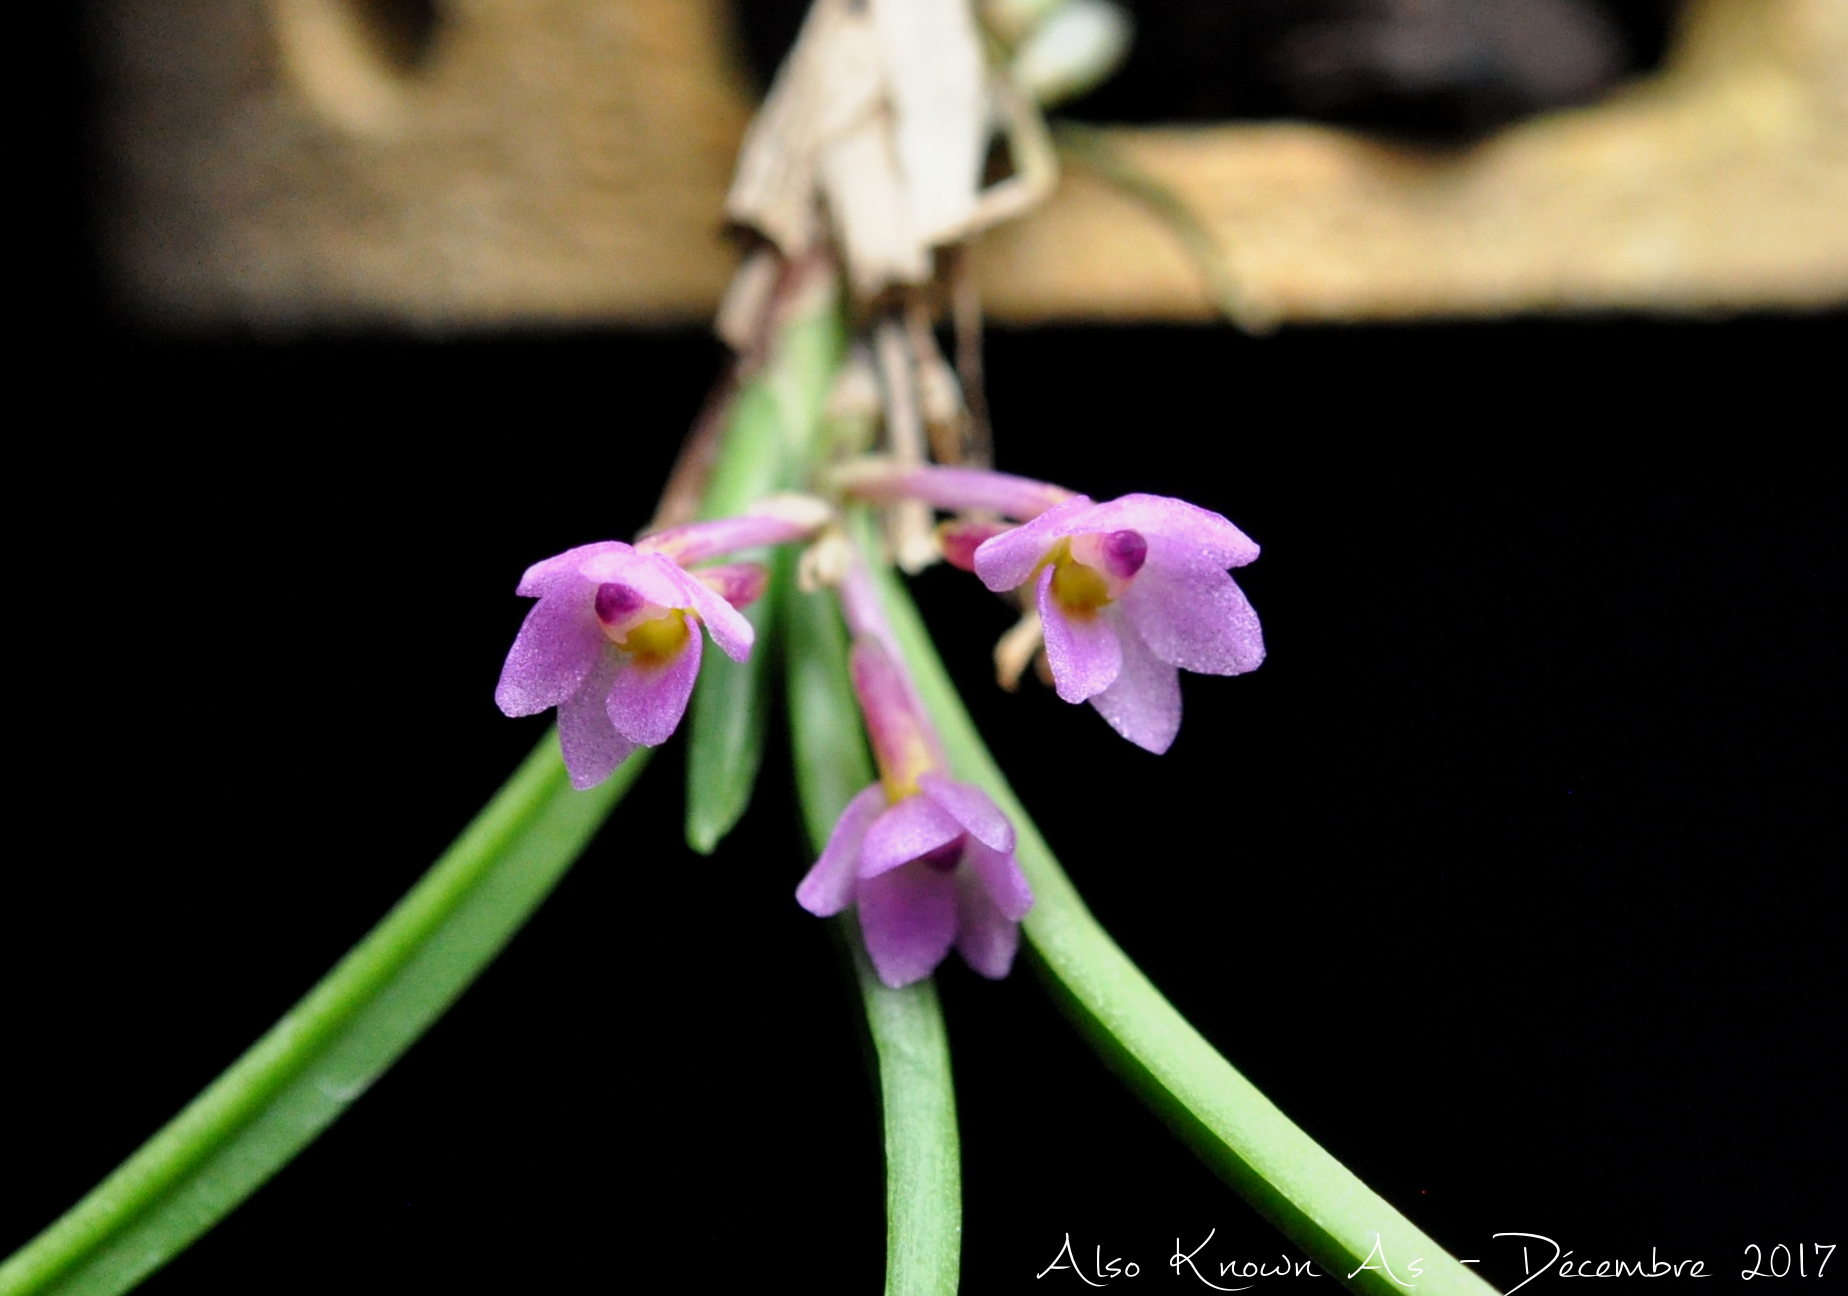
<point x="913" y="827"/>
<point x="1144" y="703"/>
<point x="542" y="577"/>
<point x="591" y="746"/>
<point x="959" y="538"/>
<point x="739" y="584"/>
<point x="1082" y="650"/>
<point x="1002" y="878"/>
<point x="1007" y="561"/>
<point x="730" y="629"/>
<point x="776" y="520"/>
<point x="971" y="808"/>
<point x="991" y="898"/>
<point x="1193" y="615"/>
<point x="646" y="702"/>
<point x="955" y="490"/>
<point x="1204" y="535"/>
<point x="650" y="575"/>
<point x="829" y="886"/>
<point x="557" y="647"/>
<point x="908" y="917"/>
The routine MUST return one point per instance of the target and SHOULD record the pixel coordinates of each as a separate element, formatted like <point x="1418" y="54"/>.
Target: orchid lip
<point x="654" y="641"/>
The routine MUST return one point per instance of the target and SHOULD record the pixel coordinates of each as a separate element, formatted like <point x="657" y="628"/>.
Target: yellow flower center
<point x="1078" y="588"/>
<point x="657" y="640"/>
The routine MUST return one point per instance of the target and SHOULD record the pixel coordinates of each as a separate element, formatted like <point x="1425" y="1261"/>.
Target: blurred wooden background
<point x="475" y="163"/>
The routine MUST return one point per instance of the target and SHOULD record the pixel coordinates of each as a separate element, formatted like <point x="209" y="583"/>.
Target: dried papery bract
<point x="876" y="130"/>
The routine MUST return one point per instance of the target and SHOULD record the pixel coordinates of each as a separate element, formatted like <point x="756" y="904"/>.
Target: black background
<point x="1507" y="876"/>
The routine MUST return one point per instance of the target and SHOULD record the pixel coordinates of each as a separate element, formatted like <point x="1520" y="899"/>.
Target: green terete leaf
<point x="766" y="449"/>
<point x="922" y="1152"/>
<point x="307" y="1070"/>
<point x="1289" y="1178"/>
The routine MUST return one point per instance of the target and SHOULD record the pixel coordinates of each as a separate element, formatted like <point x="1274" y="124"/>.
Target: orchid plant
<point x="794" y="526"/>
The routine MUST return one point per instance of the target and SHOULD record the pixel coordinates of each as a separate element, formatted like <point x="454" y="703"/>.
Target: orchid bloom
<point x="614" y="640"/>
<point x="1130" y="593"/>
<point x="614" y="644"/>
<point x="929" y="871"/>
<point x="927" y="861"/>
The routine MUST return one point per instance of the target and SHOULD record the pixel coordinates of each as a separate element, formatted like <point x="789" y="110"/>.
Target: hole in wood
<point x="355" y="59"/>
<point x="399" y="33"/>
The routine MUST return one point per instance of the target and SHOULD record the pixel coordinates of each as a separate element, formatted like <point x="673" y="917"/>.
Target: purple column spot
<point x="614" y="602"/>
<point x="1124" y="553"/>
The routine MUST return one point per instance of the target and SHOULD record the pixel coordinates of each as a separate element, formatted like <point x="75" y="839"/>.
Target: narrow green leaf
<point x="725" y="730"/>
<point x="1315" y="1200"/>
<point x="923" y="1155"/>
<point x="922" y="1152"/>
<point x="832" y="763"/>
<point x="767" y="443"/>
<point x="725" y="736"/>
<point x="307" y="1070"/>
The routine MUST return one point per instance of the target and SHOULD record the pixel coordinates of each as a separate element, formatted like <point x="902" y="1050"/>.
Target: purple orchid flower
<point x="614" y="640"/>
<point x="1130" y="593"/>
<point x="927" y="861"/>
<point x="929" y="871"/>
<point x="614" y="644"/>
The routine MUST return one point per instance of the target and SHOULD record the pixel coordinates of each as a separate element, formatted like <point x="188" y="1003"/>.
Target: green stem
<point x="307" y="1070"/>
<point x="1315" y="1200"/>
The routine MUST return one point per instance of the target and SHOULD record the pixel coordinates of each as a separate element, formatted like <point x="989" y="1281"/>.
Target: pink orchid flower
<point x="614" y="644"/>
<point x="1130" y="593"/>
<point x="614" y="641"/>
<point x="929" y="871"/>
<point x="927" y="862"/>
